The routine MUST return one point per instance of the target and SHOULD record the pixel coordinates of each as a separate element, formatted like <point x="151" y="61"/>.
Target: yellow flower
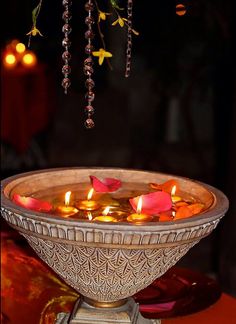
<point x="102" y="15"/>
<point x="101" y="54"/>
<point x="120" y="21"/>
<point x="34" y="31"/>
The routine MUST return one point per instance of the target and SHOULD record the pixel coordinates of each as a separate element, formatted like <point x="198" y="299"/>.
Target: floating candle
<point x="153" y="203"/>
<point x="105" y="217"/>
<point x="174" y="198"/>
<point x="88" y="204"/>
<point x="66" y="210"/>
<point x="138" y="217"/>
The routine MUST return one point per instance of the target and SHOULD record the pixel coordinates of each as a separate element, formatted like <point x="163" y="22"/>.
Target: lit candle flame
<point x="106" y="211"/>
<point x="90" y="216"/>
<point x="139" y="206"/>
<point x="173" y="190"/>
<point x="67" y="198"/>
<point x="90" y="193"/>
<point x="173" y="213"/>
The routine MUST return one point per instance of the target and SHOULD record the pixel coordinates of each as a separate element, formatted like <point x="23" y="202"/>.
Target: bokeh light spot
<point x="181" y="9"/>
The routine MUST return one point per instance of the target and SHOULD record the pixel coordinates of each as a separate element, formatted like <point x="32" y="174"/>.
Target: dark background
<point x="174" y="114"/>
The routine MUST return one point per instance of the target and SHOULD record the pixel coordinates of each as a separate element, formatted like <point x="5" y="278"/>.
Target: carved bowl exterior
<point x="107" y="262"/>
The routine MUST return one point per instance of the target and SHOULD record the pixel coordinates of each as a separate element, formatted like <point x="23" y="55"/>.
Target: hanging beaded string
<point x="66" y="56"/>
<point x="129" y="37"/>
<point x="88" y="65"/>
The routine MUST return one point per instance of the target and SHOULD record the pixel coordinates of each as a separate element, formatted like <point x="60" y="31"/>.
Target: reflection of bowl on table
<point x="178" y="292"/>
<point x="107" y="262"/>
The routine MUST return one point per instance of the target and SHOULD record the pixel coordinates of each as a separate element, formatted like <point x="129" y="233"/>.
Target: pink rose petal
<point x="31" y="203"/>
<point x="107" y="185"/>
<point x="153" y="203"/>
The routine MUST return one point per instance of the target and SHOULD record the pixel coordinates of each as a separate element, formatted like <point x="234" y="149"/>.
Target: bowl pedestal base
<point x="84" y="313"/>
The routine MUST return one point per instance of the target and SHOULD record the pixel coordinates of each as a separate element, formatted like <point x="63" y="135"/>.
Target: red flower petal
<point x="188" y="211"/>
<point x="107" y="185"/>
<point x="31" y="203"/>
<point x="183" y="212"/>
<point x="196" y="208"/>
<point x="164" y="217"/>
<point x="166" y="186"/>
<point x="153" y="203"/>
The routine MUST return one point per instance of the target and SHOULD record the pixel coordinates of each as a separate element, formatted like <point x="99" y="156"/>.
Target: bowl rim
<point x="217" y="209"/>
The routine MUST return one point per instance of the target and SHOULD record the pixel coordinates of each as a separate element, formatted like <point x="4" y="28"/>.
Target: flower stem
<point x="102" y="37"/>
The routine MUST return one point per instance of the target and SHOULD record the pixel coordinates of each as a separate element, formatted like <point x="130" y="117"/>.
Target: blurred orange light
<point x="14" y="42"/>
<point x="29" y="59"/>
<point x="20" y="48"/>
<point x="181" y="9"/>
<point x="10" y="59"/>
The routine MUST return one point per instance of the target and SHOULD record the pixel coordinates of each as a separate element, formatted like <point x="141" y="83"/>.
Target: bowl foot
<point x="84" y="313"/>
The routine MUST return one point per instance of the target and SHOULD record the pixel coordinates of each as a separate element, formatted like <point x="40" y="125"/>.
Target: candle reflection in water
<point x="90" y="216"/>
<point x="105" y="217"/>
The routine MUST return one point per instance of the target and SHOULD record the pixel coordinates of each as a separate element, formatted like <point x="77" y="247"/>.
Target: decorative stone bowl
<point x="108" y="262"/>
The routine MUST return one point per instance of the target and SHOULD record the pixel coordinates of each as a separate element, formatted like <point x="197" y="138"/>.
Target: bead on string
<point x="129" y="37"/>
<point x="66" y="43"/>
<point x="88" y="65"/>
